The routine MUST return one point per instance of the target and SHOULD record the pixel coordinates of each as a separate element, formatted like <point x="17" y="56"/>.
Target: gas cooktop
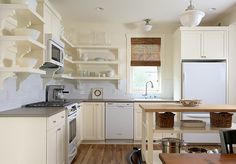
<point x="49" y="104"/>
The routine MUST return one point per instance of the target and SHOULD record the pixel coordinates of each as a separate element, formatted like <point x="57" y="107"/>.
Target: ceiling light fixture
<point x="212" y="9"/>
<point x="191" y="17"/>
<point x="147" y="26"/>
<point x="99" y="8"/>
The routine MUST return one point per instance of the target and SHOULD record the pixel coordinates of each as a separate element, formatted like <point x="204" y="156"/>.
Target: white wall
<point x="30" y="90"/>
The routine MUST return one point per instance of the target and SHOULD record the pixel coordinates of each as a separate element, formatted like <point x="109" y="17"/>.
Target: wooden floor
<point x="104" y="153"/>
<point x="110" y="153"/>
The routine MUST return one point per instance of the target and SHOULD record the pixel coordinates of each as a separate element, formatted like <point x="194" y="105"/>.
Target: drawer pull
<point x="54" y="121"/>
<point x="62" y="117"/>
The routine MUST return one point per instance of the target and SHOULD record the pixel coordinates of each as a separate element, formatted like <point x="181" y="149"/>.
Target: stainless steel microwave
<point x="54" y="51"/>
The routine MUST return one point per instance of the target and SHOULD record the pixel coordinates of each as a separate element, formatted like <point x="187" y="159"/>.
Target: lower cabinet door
<point x="52" y="146"/>
<point x="56" y="145"/>
<point x="60" y="139"/>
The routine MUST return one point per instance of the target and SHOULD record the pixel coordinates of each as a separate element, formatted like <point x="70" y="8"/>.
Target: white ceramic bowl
<point x="34" y="34"/>
<point x="27" y="62"/>
<point x="191" y="18"/>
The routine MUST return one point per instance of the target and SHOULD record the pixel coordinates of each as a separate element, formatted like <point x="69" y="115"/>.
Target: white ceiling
<point x="128" y="11"/>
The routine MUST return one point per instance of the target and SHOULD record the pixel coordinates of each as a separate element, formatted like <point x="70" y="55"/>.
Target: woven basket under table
<point x="221" y="120"/>
<point x="165" y="120"/>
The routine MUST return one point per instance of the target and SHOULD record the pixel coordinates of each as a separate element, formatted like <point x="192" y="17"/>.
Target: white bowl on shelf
<point x="34" y="34"/>
<point x="27" y="62"/>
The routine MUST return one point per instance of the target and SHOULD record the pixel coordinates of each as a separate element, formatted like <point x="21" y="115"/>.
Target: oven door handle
<point x="74" y="152"/>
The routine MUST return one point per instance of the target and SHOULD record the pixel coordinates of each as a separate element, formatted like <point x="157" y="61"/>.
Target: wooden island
<point x="148" y="128"/>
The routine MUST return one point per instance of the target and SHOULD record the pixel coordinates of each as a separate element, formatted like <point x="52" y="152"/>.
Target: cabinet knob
<point x="62" y="116"/>
<point x="54" y="121"/>
<point x="59" y="129"/>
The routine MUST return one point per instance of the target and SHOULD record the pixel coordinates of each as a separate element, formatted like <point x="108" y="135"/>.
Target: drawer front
<point x="55" y="120"/>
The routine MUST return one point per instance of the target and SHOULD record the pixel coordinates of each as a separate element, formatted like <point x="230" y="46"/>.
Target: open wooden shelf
<point x="95" y="47"/>
<point x="97" y="78"/>
<point x="24" y="11"/>
<point x="66" y="76"/>
<point x="21" y="70"/>
<point x="96" y="62"/>
<point x="23" y="40"/>
<point x="66" y="41"/>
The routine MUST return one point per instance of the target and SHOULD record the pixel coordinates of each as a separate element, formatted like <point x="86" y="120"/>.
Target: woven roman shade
<point x="145" y="51"/>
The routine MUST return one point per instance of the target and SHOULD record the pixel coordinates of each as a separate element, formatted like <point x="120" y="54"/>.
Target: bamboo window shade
<point x="145" y="51"/>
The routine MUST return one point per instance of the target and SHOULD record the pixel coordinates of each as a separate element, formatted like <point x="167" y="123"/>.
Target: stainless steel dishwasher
<point x="119" y="120"/>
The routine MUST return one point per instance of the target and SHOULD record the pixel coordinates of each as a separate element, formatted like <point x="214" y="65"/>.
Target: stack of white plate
<point x="10" y="24"/>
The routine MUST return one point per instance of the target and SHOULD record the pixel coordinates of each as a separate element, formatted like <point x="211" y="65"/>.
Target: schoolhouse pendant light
<point x="191" y="17"/>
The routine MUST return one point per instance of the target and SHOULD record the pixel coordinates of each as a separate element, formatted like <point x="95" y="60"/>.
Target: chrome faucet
<point x="146" y="87"/>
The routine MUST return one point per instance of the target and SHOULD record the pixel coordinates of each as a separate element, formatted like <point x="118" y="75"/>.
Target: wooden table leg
<point x="144" y="132"/>
<point x="150" y="137"/>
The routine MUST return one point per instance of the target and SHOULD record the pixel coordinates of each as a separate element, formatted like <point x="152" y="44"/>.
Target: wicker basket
<point x="165" y="120"/>
<point x="221" y="120"/>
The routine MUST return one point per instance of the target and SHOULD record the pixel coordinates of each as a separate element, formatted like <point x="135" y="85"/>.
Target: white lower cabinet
<point x="93" y="121"/>
<point x="78" y="127"/>
<point x="56" y="141"/>
<point x="33" y="140"/>
<point x="138" y="125"/>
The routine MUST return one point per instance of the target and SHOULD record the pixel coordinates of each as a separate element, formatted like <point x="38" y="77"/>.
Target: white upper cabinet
<point x="214" y="44"/>
<point x="52" y="19"/>
<point x="204" y="43"/>
<point x="191" y="45"/>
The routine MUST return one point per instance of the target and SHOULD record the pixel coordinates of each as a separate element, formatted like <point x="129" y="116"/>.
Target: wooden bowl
<point x="190" y="102"/>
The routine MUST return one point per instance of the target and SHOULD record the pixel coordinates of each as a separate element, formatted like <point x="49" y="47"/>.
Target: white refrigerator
<point x="205" y="81"/>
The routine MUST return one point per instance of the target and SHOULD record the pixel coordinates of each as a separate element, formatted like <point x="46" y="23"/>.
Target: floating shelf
<point x="24" y="11"/>
<point x="67" y="42"/>
<point x="96" y="62"/>
<point x="22" y="70"/>
<point x="91" y="62"/>
<point x="23" y="40"/>
<point x="65" y="76"/>
<point x="96" y="78"/>
<point x="68" y="60"/>
<point x="95" y="47"/>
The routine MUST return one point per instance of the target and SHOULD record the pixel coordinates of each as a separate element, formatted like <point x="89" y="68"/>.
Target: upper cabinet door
<point x="191" y="45"/>
<point x="214" y="44"/>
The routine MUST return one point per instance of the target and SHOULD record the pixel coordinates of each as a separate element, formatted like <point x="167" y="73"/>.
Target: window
<point x="145" y="65"/>
<point x="141" y="75"/>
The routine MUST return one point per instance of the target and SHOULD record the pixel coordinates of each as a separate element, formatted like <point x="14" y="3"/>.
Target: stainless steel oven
<point x="73" y="111"/>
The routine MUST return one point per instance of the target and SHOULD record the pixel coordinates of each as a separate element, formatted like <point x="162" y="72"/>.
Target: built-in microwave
<point x="54" y="56"/>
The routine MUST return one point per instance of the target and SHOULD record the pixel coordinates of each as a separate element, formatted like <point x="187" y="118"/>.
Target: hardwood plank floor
<point x="111" y="153"/>
<point x="103" y="153"/>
